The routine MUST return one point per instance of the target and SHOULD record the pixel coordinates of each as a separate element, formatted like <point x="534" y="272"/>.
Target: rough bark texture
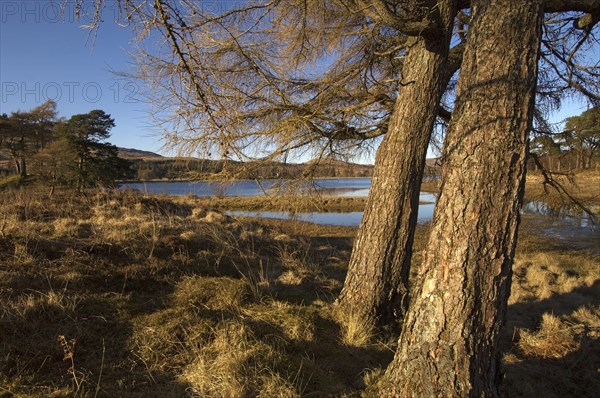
<point x="378" y="271"/>
<point x="449" y="338"/>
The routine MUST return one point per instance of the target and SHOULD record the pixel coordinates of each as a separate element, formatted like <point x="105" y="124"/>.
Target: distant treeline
<point x="577" y="147"/>
<point x="564" y="162"/>
<point x="179" y="168"/>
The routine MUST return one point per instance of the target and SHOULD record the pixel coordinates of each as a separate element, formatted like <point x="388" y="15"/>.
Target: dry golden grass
<point x="589" y="316"/>
<point x="554" y="339"/>
<point x="166" y="298"/>
<point x="582" y="184"/>
<point x="551" y="340"/>
<point x="232" y="365"/>
<point x="285" y="203"/>
<point x="356" y="330"/>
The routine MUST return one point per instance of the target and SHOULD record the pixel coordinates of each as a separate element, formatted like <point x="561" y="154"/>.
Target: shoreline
<point x="238" y="180"/>
<point x="171" y="285"/>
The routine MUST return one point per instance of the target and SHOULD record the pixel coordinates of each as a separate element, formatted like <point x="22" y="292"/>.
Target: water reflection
<point x="565" y="214"/>
<point x="562" y="218"/>
<point x="349" y="219"/>
<point x="328" y="186"/>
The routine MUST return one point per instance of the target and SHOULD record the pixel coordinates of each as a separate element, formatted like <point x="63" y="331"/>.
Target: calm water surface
<point x="563" y="222"/>
<point x="332" y="186"/>
<point x="329" y="186"/>
<point x="348" y="219"/>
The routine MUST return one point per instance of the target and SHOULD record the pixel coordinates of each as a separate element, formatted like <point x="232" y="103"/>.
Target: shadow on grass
<point x="54" y="290"/>
<point x="104" y="297"/>
<point x="572" y="375"/>
<point x="323" y="365"/>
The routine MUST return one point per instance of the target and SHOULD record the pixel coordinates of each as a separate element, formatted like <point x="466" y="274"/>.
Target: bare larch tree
<point x="270" y="78"/>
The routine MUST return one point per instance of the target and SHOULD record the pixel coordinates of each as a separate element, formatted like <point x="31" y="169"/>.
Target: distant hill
<point x="130" y="154"/>
<point x="150" y="166"/>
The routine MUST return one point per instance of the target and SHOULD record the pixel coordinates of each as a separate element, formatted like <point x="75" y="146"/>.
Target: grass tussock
<point x="233" y="365"/>
<point x="116" y="294"/>
<point x="551" y="341"/>
<point x="357" y="331"/>
<point x="554" y="339"/>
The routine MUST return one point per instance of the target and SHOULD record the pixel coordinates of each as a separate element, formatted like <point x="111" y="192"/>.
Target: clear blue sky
<point x="42" y="56"/>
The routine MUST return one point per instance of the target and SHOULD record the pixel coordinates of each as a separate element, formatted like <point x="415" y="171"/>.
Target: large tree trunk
<point x="449" y="338"/>
<point x="378" y="271"/>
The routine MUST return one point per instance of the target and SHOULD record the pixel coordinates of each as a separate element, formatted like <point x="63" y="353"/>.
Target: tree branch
<point x="587" y="22"/>
<point x="380" y="12"/>
<point x="344" y="133"/>
<point x="455" y="57"/>
<point x="549" y="180"/>
<point x="588" y="6"/>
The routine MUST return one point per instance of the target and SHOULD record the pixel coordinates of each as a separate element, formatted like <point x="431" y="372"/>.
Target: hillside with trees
<point x="58" y="152"/>
<point x="75" y="153"/>
<point x="165" y="168"/>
